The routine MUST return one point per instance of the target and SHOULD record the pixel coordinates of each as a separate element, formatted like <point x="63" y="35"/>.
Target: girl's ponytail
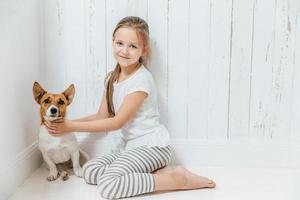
<point x="110" y="79"/>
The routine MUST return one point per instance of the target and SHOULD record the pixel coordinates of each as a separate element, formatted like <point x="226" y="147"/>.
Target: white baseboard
<point x="220" y="153"/>
<point x="237" y="153"/>
<point x="15" y="173"/>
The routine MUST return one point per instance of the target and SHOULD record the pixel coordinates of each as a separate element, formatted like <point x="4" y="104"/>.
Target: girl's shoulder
<point x="144" y="73"/>
<point x="142" y="81"/>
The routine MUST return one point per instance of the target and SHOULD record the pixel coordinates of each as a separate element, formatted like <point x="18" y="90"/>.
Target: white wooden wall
<point x="225" y="69"/>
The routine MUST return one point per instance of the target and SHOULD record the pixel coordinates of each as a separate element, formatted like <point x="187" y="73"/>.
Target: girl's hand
<point x="59" y="126"/>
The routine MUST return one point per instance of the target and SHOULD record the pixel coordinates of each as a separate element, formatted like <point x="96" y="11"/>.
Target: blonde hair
<point x="142" y="31"/>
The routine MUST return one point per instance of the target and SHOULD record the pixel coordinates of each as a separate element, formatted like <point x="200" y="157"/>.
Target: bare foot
<point x="188" y="180"/>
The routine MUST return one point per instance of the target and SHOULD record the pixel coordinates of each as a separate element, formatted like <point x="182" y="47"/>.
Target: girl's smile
<point x="124" y="57"/>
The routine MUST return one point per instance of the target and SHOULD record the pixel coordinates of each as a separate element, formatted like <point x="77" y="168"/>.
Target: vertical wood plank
<point x="295" y="106"/>
<point x="261" y="82"/>
<point x="158" y="65"/>
<point x="95" y="53"/>
<point x="197" y="85"/>
<point x="282" y="71"/>
<point x="178" y="50"/>
<point x="54" y="44"/>
<point x="138" y="8"/>
<point x="240" y="69"/>
<point x="218" y="75"/>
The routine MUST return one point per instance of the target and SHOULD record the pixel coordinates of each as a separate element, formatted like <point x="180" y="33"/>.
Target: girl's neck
<point x="127" y="71"/>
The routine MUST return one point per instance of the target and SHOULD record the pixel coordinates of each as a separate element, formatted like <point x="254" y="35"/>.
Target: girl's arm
<point x="129" y="107"/>
<point x="102" y="112"/>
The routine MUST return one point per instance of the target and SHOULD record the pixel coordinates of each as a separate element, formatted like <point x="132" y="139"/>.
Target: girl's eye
<point x="46" y="101"/>
<point x="119" y="43"/>
<point x="133" y="46"/>
<point x="61" y="102"/>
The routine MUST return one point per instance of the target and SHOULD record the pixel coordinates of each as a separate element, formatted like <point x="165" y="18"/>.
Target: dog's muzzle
<point x="52" y="113"/>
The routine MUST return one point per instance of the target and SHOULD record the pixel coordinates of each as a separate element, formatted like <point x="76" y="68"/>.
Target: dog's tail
<point x="84" y="157"/>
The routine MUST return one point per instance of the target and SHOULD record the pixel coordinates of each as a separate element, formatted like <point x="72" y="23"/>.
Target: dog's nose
<point x="53" y="110"/>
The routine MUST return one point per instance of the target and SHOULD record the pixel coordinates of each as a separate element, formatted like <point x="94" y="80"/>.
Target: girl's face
<point x="127" y="47"/>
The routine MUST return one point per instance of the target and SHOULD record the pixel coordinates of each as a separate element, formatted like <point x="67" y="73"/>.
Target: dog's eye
<point x="46" y="101"/>
<point x="61" y="102"/>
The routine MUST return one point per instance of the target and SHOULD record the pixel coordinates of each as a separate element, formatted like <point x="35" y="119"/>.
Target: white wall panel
<point x="218" y="72"/>
<point x="55" y="58"/>
<point x="240" y="68"/>
<point x="262" y="61"/>
<point x="295" y="105"/>
<point x="95" y="68"/>
<point x="178" y="50"/>
<point x="224" y="69"/>
<point x="282" y="70"/>
<point x="158" y="63"/>
<point x="198" y="59"/>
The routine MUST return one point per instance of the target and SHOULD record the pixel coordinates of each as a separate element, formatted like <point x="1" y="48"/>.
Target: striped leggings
<point x="128" y="173"/>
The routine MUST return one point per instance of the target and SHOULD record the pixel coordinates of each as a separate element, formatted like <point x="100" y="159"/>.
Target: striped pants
<point x="128" y="173"/>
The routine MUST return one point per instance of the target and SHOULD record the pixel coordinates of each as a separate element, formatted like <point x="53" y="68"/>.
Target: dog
<point x="58" y="151"/>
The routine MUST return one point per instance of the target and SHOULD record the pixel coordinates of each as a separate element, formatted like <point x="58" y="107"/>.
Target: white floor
<point x="232" y="184"/>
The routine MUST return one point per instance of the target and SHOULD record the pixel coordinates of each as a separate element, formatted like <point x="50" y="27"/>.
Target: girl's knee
<point x="90" y="172"/>
<point x="107" y="188"/>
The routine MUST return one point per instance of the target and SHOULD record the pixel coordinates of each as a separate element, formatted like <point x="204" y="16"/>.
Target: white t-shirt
<point x="144" y="128"/>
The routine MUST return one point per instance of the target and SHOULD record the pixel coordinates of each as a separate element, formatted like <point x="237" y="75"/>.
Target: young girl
<point x="130" y="104"/>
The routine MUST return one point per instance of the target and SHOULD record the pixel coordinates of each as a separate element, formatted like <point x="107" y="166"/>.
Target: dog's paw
<point x="64" y="175"/>
<point x="53" y="176"/>
<point x="78" y="171"/>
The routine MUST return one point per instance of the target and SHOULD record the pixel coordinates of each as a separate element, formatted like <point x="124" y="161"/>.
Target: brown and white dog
<point x="57" y="149"/>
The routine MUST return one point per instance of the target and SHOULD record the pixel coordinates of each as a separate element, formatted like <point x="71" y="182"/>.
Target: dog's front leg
<point x="76" y="166"/>
<point x="53" y="174"/>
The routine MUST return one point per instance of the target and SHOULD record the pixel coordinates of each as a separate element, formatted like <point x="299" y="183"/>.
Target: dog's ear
<point x="38" y="92"/>
<point x="69" y="93"/>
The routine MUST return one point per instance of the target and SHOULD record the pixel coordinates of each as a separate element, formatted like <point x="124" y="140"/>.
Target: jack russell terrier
<point x="58" y="151"/>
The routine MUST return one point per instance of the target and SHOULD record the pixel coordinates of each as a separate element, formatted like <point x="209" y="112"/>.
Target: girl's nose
<point x="125" y="50"/>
